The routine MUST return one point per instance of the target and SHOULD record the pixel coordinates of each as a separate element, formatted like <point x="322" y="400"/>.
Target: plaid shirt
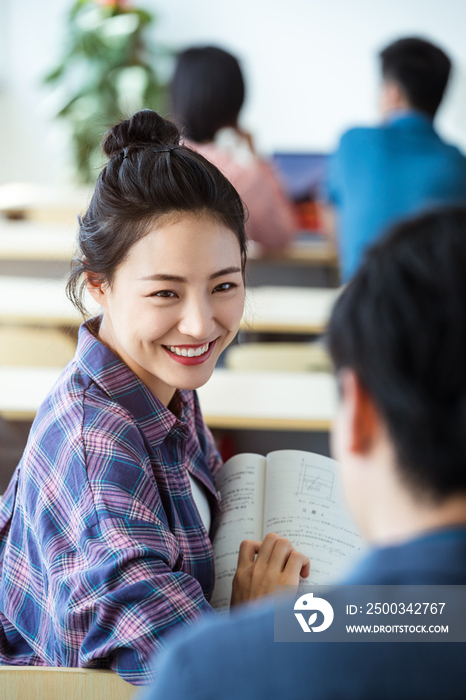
<point x="102" y="549"/>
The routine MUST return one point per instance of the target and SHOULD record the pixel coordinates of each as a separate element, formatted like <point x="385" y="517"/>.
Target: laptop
<point x="302" y="174"/>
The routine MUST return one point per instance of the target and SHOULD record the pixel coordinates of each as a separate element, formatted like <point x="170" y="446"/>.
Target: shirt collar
<point x="115" y="378"/>
<point x="404" y="117"/>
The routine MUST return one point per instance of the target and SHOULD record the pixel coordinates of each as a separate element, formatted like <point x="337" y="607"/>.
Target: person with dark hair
<point x="106" y="526"/>
<point x="397" y="337"/>
<point x="402" y="167"/>
<point x="207" y="93"/>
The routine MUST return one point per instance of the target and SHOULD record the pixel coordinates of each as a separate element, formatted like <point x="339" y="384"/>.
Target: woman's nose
<point x="197" y="320"/>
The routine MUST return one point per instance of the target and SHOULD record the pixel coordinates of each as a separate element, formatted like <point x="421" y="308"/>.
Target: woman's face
<point x="175" y="303"/>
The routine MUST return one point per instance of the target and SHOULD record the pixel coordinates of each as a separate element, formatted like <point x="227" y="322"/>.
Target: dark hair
<point x="420" y="69"/>
<point x="207" y="92"/>
<point x="400" y="325"/>
<point x="149" y="175"/>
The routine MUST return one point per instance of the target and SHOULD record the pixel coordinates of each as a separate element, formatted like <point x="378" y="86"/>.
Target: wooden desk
<point x="288" y="309"/>
<point x="229" y="400"/>
<point x="23" y="200"/>
<point x="37" y="301"/>
<point x="56" y="683"/>
<point x="36" y="240"/>
<point x="24" y="240"/>
<point x="22" y="390"/>
<point x="269" y="400"/>
<point x="310" y="250"/>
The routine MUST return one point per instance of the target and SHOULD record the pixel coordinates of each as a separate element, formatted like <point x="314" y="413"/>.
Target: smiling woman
<point x="170" y="326"/>
<point x="106" y="527"/>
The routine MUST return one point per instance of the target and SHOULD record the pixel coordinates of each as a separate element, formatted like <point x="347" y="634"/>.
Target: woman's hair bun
<point x="145" y="128"/>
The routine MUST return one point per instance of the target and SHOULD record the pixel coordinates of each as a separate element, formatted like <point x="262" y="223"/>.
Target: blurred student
<point x="398" y="340"/>
<point x="207" y="93"/>
<point x="402" y="167"/>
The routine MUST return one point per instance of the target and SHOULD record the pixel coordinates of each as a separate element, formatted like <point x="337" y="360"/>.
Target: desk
<point x="229" y="400"/>
<point x="269" y="400"/>
<point x="57" y="682"/>
<point x="22" y="200"/>
<point x="22" y="390"/>
<point x="288" y="309"/>
<point x="36" y="240"/>
<point x="36" y="301"/>
<point x="304" y="250"/>
<point x="306" y="262"/>
<point x="24" y="240"/>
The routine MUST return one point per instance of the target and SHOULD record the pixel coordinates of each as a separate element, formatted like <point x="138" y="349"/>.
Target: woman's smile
<point x="190" y="354"/>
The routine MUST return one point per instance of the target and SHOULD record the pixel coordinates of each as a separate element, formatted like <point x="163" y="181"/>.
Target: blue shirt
<point x="102" y="548"/>
<point x="237" y="659"/>
<point x="383" y="174"/>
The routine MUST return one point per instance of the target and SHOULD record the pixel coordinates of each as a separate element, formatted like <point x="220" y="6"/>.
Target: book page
<point x="241" y="482"/>
<point x="304" y="502"/>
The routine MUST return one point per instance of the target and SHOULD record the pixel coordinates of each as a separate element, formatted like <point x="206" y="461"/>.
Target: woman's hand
<point x="277" y="564"/>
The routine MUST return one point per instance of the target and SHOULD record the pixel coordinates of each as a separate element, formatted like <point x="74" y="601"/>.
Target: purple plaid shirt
<point x="102" y="549"/>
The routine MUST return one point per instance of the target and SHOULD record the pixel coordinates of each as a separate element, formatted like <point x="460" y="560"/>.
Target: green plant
<point x="106" y="73"/>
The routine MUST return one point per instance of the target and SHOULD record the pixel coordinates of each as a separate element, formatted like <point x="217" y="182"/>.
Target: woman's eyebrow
<point x="225" y="271"/>
<point x="163" y="278"/>
<point x="175" y="278"/>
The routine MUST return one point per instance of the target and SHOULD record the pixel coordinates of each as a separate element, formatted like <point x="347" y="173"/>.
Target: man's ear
<point x="96" y="287"/>
<point x="365" y="420"/>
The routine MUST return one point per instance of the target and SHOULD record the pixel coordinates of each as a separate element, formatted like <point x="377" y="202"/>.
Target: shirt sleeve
<point x="124" y="589"/>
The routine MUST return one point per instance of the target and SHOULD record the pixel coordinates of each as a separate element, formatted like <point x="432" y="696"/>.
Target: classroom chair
<point x="55" y="683"/>
<point x="279" y="357"/>
<point x="25" y="348"/>
<point x="22" y="346"/>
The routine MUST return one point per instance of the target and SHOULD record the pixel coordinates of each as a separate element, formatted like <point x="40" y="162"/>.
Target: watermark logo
<point x="308" y="603"/>
<point x="365" y="613"/>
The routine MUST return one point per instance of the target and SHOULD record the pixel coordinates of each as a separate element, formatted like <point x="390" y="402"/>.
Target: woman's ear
<point x="97" y="288"/>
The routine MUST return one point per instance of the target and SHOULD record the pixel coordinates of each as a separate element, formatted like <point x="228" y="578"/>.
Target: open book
<point x="295" y="494"/>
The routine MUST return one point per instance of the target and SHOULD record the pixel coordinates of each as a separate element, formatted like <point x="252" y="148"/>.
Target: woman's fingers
<point x="279" y="557"/>
<point x="264" y="565"/>
<point x="266" y="549"/>
<point x="306" y="570"/>
<point x="241" y="589"/>
<point x="286" y="559"/>
<point x="247" y="552"/>
<point x="297" y="565"/>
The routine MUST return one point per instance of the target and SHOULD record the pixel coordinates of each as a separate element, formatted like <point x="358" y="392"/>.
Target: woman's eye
<point x="164" y="294"/>
<point x="225" y="287"/>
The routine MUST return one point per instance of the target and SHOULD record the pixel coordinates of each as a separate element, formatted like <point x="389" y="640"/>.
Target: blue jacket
<point x="238" y="659"/>
<point x="383" y="174"/>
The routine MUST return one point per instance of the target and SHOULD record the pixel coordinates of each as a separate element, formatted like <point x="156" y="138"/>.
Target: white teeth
<point x="182" y="352"/>
<point x="201" y="350"/>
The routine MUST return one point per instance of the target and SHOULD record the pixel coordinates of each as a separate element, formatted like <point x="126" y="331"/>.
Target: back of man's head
<point x="400" y="325"/>
<point x="420" y="69"/>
